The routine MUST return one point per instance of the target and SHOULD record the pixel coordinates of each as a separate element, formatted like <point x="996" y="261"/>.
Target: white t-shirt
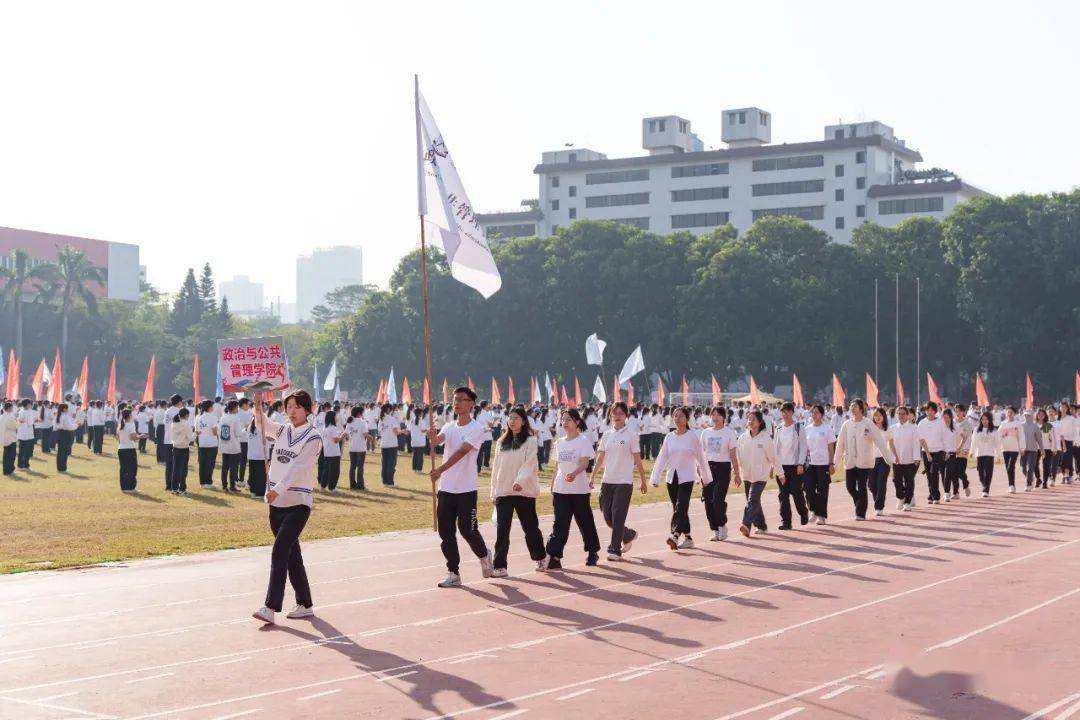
<point x="229" y="433"/>
<point x="331" y="445"/>
<point x="170" y="413"/>
<point x="205" y="426"/>
<point x="619" y="448"/>
<point x="26" y="424"/>
<point x="387" y="436"/>
<point x="243" y="418"/>
<point x="818" y="438"/>
<point x="718" y="444"/>
<point x="126" y="436"/>
<point x="568" y="455"/>
<point x="461" y="478"/>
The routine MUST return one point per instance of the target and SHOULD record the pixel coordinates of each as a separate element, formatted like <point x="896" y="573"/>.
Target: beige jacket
<point x="856" y="441"/>
<point x="515" y="466"/>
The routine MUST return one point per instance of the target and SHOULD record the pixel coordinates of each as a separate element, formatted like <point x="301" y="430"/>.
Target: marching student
<point x="159" y="433"/>
<point x="9" y="436"/>
<point x="206" y="429"/>
<point x="1033" y="446"/>
<point x="256" y="461"/>
<point x="43" y="426"/>
<point x="879" y="474"/>
<point x="228" y="435"/>
<point x="457" y="481"/>
<point x="965" y="426"/>
<point x="483" y="458"/>
<point x="756" y="454"/>
<point x="65" y="436"/>
<point x="95" y="421"/>
<point x="682" y="454"/>
<point x="1067" y="430"/>
<point x="570" y="493"/>
<point x="1011" y="436"/>
<point x="820" y="443"/>
<point x="296" y="450"/>
<point x="952" y="438"/>
<point x="332" y="437"/>
<point x="181" y="439"/>
<point x="983" y="446"/>
<point x="126" y="435"/>
<point x="855" y="444"/>
<point x="388" y="440"/>
<point x="169" y="419"/>
<point x="357" y="430"/>
<point x="619" y="456"/>
<point x="933" y="439"/>
<point x="514" y="489"/>
<point x="142" y="417"/>
<point x="25" y="434"/>
<point x="418" y="428"/>
<point x="1051" y="444"/>
<point x="904" y="444"/>
<point x="243" y="423"/>
<point x="718" y="442"/>
<point x="791" y="449"/>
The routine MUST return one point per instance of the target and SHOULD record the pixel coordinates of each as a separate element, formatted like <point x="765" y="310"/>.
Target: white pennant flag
<point x="46" y="377"/>
<point x="594" y="350"/>
<point x="633" y="365"/>
<point x="391" y="391"/>
<point x="331" y="377"/>
<point x="547" y="388"/>
<point x="598" y="390"/>
<point x="451" y="214"/>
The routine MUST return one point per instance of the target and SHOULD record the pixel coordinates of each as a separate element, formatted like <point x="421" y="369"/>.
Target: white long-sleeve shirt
<point x="935" y="434"/>
<point x="757" y="457"/>
<point x="292" y="463"/>
<point x="855" y="444"/>
<point x="790" y="444"/>
<point x="905" y="438"/>
<point x="983" y="444"/>
<point x="684" y="456"/>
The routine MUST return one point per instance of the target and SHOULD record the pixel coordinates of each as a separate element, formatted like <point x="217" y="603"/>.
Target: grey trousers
<point x="615" y="504"/>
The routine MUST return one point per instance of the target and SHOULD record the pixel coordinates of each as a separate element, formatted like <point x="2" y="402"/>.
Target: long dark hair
<point x="512" y="441"/>
<point x="989" y="428"/>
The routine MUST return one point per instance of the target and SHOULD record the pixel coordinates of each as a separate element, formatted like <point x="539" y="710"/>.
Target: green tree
<point x="207" y="292"/>
<point x="341" y="302"/>
<point x="70" y="280"/>
<point x="15" y="284"/>
<point x="187" y="307"/>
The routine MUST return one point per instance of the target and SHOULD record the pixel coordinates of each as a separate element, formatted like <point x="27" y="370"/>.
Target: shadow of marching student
<point x="950" y="696"/>
<point x="423" y="687"/>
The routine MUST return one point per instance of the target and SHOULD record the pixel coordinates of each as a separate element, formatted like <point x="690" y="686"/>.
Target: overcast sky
<point x="245" y="133"/>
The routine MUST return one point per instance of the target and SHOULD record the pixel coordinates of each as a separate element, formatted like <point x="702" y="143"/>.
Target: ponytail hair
<point x="574" y="415"/>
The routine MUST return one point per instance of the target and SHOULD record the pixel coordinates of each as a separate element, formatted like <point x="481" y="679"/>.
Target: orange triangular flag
<point x="796" y="391"/>
<point x="980" y="392"/>
<point x="471" y="386"/>
<point x="629" y="393"/>
<point x="685" y="391"/>
<point x="11" y="391"/>
<point x="110" y="392"/>
<point x="871" y="391"/>
<point x="899" y="390"/>
<point x="151" y="375"/>
<point x="717" y="396"/>
<point x="931" y="388"/>
<point x="38" y="382"/>
<point x="56" y="384"/>
<point x="406" y="391"/>
<point x="445" y="392"/>
<point x="16" y="390"/>
<point x="755" y="394"/>
<point x="496" y="396"/>
<point x="195" y="379"/>
<point x="577" y="393"/>
<point x="563" y="397"/>
<point x="379" y="393"/>
<point x="427" y="392"/>
<point x="84" y="378"/>
<point x="838" y="396"/>
<point x="661" y="396"/>
<point x="510" y="391"/>
<point x="1029" y="395"/>
<point x="616" y="393"/>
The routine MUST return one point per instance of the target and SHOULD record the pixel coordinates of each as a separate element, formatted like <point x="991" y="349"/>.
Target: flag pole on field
<point x="422" y="210"/>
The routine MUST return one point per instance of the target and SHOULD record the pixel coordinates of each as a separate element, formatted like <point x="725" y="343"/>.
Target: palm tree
<point x="69" y="279"/>
<point x="14" y="280"/>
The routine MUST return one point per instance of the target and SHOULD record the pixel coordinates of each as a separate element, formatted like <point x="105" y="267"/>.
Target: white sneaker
<point x="627" y="544"/>
<point x="967" y="492"/>
<point x="542" y="564"/>
<point x="687" y="543"/>
<point x="1012" y="489"/>
<point x="985" y="494"/>
<point x="762" y="531"/>
<point x="614" y="556"/>
<point x="948" y="497"/>
<point x="499" y="573"/>
<point x="486" y="567"/>
<point x="721" y="534"/>
<point x="880" y="513"/>
<point x="715" y="536"/>
<point x="452" y="580"/>
<point x="299" y="612"/>
<point x="265" y="614"/>
<point x="911" y="504"/>
<point x="812" y="518"/>
<point x="820" y="521"/>
<point x="907" y="507"/>
<point x="1027" y="488"/>
<point x="899" y="504"/>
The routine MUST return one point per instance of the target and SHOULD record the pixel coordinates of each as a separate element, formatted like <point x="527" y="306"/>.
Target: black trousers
<point x="142" y="446"/>
<point x="525" y="507"/>
<point x="285" y="559"/>
<point x="389" y="465"/>
<point x="80" y="433"/>
<point x="904" y="481"/>
<point x="356" y="470"/>
<point x="1067" y="459"/>
<point x="578" y="507"/>
<point x="159" y="443"/>
<point x="879" y="483"/>
<point x="483" y="456"/>
<point x="243" y="460"/>
<point x="955" y="473"/>
<point x="645" y="445"/>
<point x="753" y="515"/>
<point x="26" y="452"/>
<point x="11" y="453"/>
<point x="98" y="432"/>
<point x="792" y="490"/>
<point x="65" y="439"/>
<point x="856" y="479"/>
<point x="207" y="462"/>
<point x="230" y="470"/>
<point x="615" y="506"/>
<point x="985" y="466"/>
<point x="129" y="468"/>
<point x="180" y="457"/>
<point x="167" y="456"/>
<point x="418" y="458"/>
<point x="257" y="477"/>
<point x="680" y="493"/>
<point x="816" y="482"/>
<point x="456" y="513"/>
<point x="714" y="495"/>
<point x="331" y="472"/>
<point x="1009" y="456"/>
<point x="935" y="469"/>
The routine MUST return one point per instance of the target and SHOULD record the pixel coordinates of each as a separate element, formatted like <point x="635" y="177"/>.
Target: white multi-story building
<point x="323" y="271"/>
<point x="245" y="297"/>
<point x="860" y="172"/>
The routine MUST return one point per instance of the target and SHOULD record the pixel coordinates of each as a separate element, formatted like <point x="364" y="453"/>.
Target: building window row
<point x="788" y="188"/>
<point x="615" y="200"/>
<point x="685" y="171"/>
<point x="789" y="163"/>
<point x="693" y="220"/>
<point x="638" y="222"/>
<point x="705" y="193"/>
<point x="809" y="212"/>
<point x="911" y="205"/>
<point x="511" y="231"/>
<point x="616" y="176"/>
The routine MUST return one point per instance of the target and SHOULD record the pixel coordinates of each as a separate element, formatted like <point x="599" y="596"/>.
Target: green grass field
<point x="51" y="520"/>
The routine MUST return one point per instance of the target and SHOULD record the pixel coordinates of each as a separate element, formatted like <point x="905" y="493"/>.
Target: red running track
<point x="960" y="610"/>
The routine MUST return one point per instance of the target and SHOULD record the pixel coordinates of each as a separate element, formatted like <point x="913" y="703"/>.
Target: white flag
<point x="450" y="216"/>
<point x="331" y="377"/>
<point x="598" y="390"/>
<point x="547" y="388"/>
<point x="633" y="365"/>
<point x="594" y="350"/>
<point x="46" y="377"/>
<point x="315" y="382"/>
<point x="391" y="391"/>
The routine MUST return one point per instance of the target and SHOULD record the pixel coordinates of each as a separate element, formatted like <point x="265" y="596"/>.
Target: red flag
<point x="427" y="392"/>
<point x="471" y="386"/>
<point x="661" y="396"/>
<point x="899" y="390"/>
<point x="151" y="375"/>
<point x="496" y="396"/>
<point x="563" y="397"/>
<point x="83" y="380"/>
<point x="980" y="392"/>
<point x="15" y="389"/>
<point x="755" y="394"/>
<point x="38" y="383"/>
<point x="11" y="390"/>
<point x="630" y="393"/>
<point x="1029" y="399"/>
<point x="796" y="391"/>
<point x="685" y="391"/>
<point x="110" y="392"/>
<point x="195" y="378"/>
<point x="931" y="387"/>
<point x="56" y="385"/>
<point x="533" y="390"/>
<point x="871" y="391"/>
<point x="510" y="391"/>
<point x="406" y="391"/>
<point x="616" y="393"/>
<point x="577" y="393"/>
<point x="445" y="392"/>
<point x="838" y="396"/>
<point x="717" y="396"/>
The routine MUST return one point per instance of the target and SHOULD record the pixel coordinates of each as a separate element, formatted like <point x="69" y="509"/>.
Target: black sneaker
<point x="593" y="559"/>
<point x="554" y="564"/>
<point x="785" y="526"/>
<point x="803" y="519"/>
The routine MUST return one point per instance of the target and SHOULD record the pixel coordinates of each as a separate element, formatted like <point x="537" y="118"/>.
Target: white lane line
<point x="878" y="675"/>
<point x="528" y="643"/>
<point x="57" y="697"/>
<point x="319" y="695"/>
<point x="234" y="660"/>
<point x="236" y="715"/>
<point x="1069" y="712"/>
<point x="787" y="713"/>
<point x="794" y="696"/>
<point x="16" y="659"/>
<point x="572" y="695"/>
<point x="636" y="675"/>
<point x="1041" y="714"/>
<point x="967" y="636"/>
<point x="470" y="658"/>
<point x="98" y="645"/>
<point x="837" y="692"/>
<point x="395" y="677"/>
<point x="511" y="714"/>
<point x="59" y="708"/>
<point x="151" y="677"/>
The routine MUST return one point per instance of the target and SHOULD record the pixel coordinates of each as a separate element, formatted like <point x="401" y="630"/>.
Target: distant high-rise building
<point x="245" y="297"/>
<point x="323" y="271"/>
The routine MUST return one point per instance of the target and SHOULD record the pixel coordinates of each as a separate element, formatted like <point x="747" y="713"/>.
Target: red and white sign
<point x="253" y="364"/>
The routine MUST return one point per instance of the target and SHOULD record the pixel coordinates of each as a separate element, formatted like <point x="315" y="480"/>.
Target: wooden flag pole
<point x="427" y="360"/>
